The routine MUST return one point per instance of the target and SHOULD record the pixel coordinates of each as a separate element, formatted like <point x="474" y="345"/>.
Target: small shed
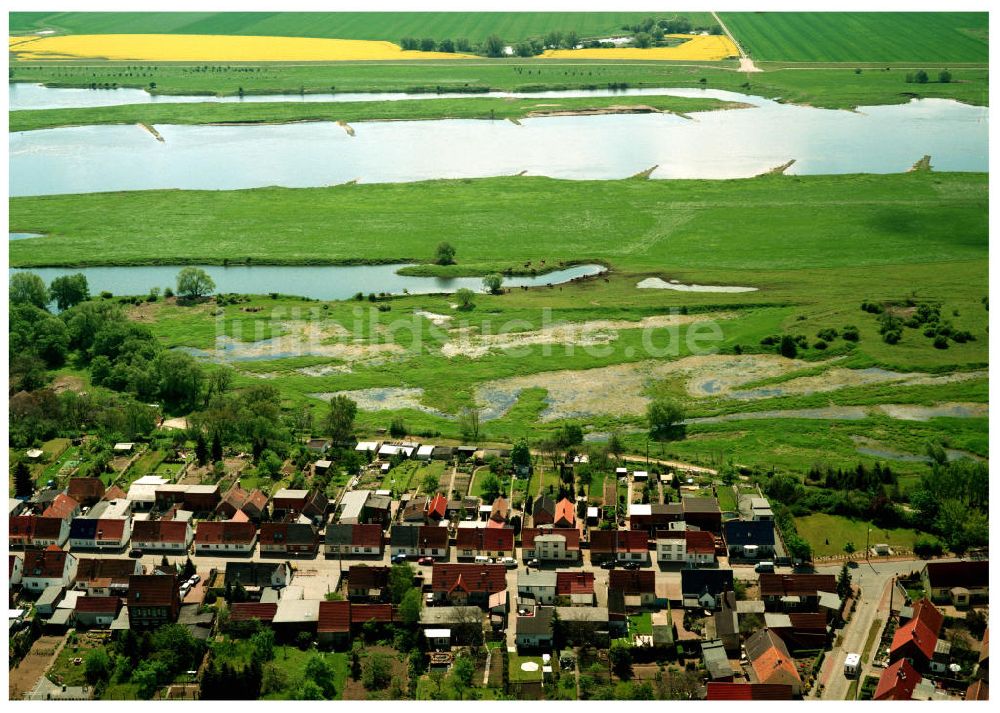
<point x="425" y="452"/>
<point x="640" y="475"/>
<point x="323" y="466"/>
<point x="438" y="638"/>
<point x="121" y="448"/>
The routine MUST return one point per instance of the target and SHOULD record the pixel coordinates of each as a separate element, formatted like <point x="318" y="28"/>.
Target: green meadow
<point x="955" y="37"/>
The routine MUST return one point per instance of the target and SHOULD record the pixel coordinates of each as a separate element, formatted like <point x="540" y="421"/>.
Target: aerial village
<point x="472" y="591"/>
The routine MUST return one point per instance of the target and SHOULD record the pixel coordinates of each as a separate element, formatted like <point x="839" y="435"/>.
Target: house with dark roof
<point x="703" y="513"/>
<point x="654" y="517"/>
<point x="484" y="542"/>
<point x="153" y="600"/>
<point x="713" y="653"/>
<point x="917" y="639"/>
<point x="379" y="614"/>
<point x="468" y="584"/>
<point x="87" y="533"/>
<point x="367" y="584"/>
<point x="550" y="544"/>
<point x="86" y="491"/>
<point x="770" y="661"/>
<point x="287" y="500"/>
<point x="897" y="682"/>
<point x="533" y="630"/>
<point x="703" y="588"/>
<point x="422" y="540"/>
<point x="96" y="612"/>
<point x="720" y="691"/>
<point x="287" y="538"/>
<point x="37" y="531"/>
<point x="749" y="539"/>
<point x="253" y="504"/>
<point x="799" y="630"/>
<point x="225" y="536"/>
<point x="636" y="586"/>
<point x="258" y="575"/>
<point x="795" y="592"/>
<point x="632" y="545"/>
<point x="162" y="535"/>
<point x="105" y="577"/>
<point x="957" y="583"/>
<point x="543" y="511"/>
<point x="354" y="539"/>
<point x="47" y="567"/>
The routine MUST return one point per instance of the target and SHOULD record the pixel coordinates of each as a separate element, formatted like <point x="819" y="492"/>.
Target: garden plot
<point x="590" y="333"/>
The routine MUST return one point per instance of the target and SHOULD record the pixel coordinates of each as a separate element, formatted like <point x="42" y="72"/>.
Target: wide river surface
<point x="321" y="282"/>
<point x="718" y="144"/>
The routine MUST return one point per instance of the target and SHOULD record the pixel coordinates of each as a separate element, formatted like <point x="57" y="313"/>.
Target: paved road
<point x="875" y="579"/>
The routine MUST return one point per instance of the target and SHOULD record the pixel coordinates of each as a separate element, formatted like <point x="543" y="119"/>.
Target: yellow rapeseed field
<point x="211" y="48"/>
<point x="697" y="47"/>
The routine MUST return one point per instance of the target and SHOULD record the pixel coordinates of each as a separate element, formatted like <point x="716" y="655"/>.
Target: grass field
<point x="834" y="87"/>
<point x="475" y="26"/>
<point x="954" y="37"/>
<point x="827" y="534"/>
<point x="267" y="112"/>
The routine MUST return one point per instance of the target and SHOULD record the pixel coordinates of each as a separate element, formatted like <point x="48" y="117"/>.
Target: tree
<point x="944" y="76"/>
<point x="844" y="582"/>
<point x="310" y="691"/>
<point x="194" y="283"/>
<point x="397" y="427"/>
<point x="400" y="581"/>
<point x="430" y="483"/>
<point x="493" y="46"/>
<point x="520" y="455"/>
<point x="446" y="46"/>
<point x="444" y="254"/>
<point x="464" y="296"/>
<point x="201" y="449"/>
<point x="147" y="678"/>
<point x="493" y="283"/>
<point x="339" y="421"/>
<point x="376" y="671"/>
<point x="786" y="347"/>
<point x="410" y="606"/>
<point x="849" y="548"/>
<point x="463" y="669"/>
<point x="321" y="673"/>
<point x="23" y="485"/>
<point x="469" y="424"/>
<point x="643" y="40"/>
<point x="490" y="487"/>
<point x="798" y="547"/>
<point x="28" y="288"/>
<point x="920" y="77"/>
<point x="621" y="660"/>
<point x="69" y="290"/>
<point x="664" y="416"/>
<point x="427" y="44"/>
<point x="97" y="666"/>
<point x="570" y="435"/>
<point x="179" y="378"/>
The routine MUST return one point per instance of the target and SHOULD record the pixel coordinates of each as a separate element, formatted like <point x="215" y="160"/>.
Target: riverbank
<point x="353" y="112"/>
<point x="833" y="86"/>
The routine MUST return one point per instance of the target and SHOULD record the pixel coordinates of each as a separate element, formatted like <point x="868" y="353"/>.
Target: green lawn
<point x="641" y="624"/>
<point x="827" y="534"/>
<point x="862" y="36"/>
<point x="519" y="676"/>
<point x="476" y="26"/>
<point x="727" y="498"/>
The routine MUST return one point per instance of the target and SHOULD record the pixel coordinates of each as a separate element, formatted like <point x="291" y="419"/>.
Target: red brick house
<point x="897" y="682"/>
<point x="37" y="531"/>
<point x="550" y="544"/>
<point x="97" y="612"/>
<point x="153" y="600"/>
<point x="354" y="539"/>
<point x="468" y="584"/>
<point x="619" y="544"/>
<point x="917" y="639"/>
<point x="86" y="491"/>
<point x="333" y="625"/>
<point x="162" y="535"/>
<point x="225" y="536"/>
<point x="486" y="542"/>
<point x="291" y="538"/>
<point x="703" y="513"/>
<point x="637" y="586"/>
<point x="578" y="586"/>
<point x="245" y="611"/>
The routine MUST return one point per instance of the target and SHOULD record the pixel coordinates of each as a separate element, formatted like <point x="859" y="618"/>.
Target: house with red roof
<point x="636" y="586"/>
<point x="897" y="682"/>
<point x="354" y="539"/>
<point x="253" y="504"/>
<point x="366" y="583"/>
<point x="484" y="542"/>
<point x="722" y="691"/>
<point x="96" y="612"/>
<point x="162" y="535"/>
<point x="153" y="600"/>
<point x="86" y="491"/>
<point x="565" y="515"/>
<point x="917" y="639"/>
<point x="543" y="511"/>
<point x="699" y="547"/>
<point x="499" y="511"/>
<point x="245" y="611"/>
<point x="437" y="508"/>
<point x="577" y="586"/>
<point x="105" y="577"/>
<point x="550" y="544"/>
<point x="225" y="536"/>
<point x="468" y="584"/>
<point x="632" y="545"/>
<point x="770" y="661"/>
<point x="36" y="531"/>
<point x="333" y="625"/>
<point x="422" y="540"/>
<point x="64" y="507"/>
<point x="362" y="614"/>
<point x="46" y="567"/>
<point x="291" y="538"/>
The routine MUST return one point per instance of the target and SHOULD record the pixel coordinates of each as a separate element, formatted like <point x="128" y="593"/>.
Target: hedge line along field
<point x="835" y="88"/>
<point x="475" y="26"/>
<point x="417" y="109"/>
<point x="929" y="37"/>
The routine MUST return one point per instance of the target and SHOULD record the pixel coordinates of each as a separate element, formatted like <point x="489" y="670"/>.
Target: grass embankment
<point x="835" y="87"/>
<point x="954" y="37"/>
<point x="412" y="110"/>
<point x="476" y="26"/>
<point x="827" y="534"/>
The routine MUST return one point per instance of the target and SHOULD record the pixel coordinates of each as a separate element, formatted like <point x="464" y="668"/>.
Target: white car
<point x="195" y="578"/>
<point x="508" y="562"/>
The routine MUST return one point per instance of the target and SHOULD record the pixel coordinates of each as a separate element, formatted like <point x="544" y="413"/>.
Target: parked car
<point x="425" y="560"/>
<point x="608" y="564"/>
<point x="533" y="563"/>
<point x="135" y="552"/>
<point x="398" y="559"/>
<point x="196" y="578"/>
<point x="631" y="565"/>
<point x="509" y="562"/>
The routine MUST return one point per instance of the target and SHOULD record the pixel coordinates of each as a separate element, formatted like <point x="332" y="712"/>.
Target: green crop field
<point x="476" y="26"/>
<point x="930" y="37"/>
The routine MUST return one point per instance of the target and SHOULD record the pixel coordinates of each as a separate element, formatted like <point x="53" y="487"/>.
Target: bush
<point x="787" y="348"/>
<point x="820" y="345"/>
<point x="926" y="547"/>
<point x="851" y="333"/>
<point x="940" y="342"/>
<point x="828" y="334"/>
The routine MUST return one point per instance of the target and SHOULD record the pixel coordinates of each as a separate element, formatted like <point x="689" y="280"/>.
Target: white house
<point x="540" y="585"/>
<point x="48" y="567"/>
<point x="15" y="569"/>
